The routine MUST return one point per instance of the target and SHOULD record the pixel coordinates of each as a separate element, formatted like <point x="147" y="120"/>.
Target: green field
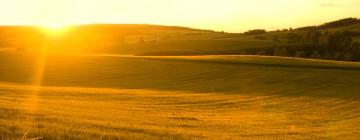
<point x="99" y="96"/>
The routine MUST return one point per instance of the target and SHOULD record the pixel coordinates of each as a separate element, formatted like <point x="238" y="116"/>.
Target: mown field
<point x="98" y="96"/>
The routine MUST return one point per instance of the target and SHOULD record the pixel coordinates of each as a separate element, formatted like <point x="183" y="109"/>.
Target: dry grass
<point x="167" y="98"/>
<point x="83" y="113"/>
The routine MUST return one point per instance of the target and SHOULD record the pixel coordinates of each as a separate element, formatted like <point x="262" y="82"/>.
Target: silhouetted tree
<point x="299" y="54"/>
<point x="281" y="51"/>
<point x="339" y="23"/>
<point x="294" y="38"/>
<point x="255" y="32"/>
<point x="276" y="38"/>
<point x="339" y="41"/>
<point x="316" y="55"/>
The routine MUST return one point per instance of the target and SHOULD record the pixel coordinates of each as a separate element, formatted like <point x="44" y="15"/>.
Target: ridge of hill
<point x="145" y="39"/>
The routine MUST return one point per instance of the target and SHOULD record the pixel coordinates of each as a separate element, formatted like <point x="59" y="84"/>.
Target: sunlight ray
<point x="31" y="105"/>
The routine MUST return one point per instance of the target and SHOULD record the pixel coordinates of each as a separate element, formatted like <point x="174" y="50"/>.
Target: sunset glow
<point x="53" y="26"/>
<point x="55" y="30"/>
<point x="228" y="15"/>
<point x="179" y="69"/>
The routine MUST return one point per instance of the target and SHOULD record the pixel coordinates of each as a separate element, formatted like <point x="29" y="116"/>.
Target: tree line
<point x="333" y="24"/>
<point x="315" y="44"/>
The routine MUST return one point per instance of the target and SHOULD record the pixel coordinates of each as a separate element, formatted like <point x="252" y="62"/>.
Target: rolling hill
<point x="172" y="40"/>
<point x="101" y="96"/>
<point x="163" y="82"/>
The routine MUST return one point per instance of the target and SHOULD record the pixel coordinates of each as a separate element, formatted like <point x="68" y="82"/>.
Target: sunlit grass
<point x="245" y="97"/>
<point x="153" y="114"/>
<point x="31" y="103"/>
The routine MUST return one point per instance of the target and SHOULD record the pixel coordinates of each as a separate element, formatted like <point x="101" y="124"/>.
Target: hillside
<point x="198" y="97"/>
<point x="319" y="42"/>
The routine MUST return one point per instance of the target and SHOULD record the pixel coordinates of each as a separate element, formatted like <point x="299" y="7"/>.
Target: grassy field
<point x="98" y="96"/>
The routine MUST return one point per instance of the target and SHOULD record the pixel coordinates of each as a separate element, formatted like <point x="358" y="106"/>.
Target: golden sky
<point x="227" y="15"/>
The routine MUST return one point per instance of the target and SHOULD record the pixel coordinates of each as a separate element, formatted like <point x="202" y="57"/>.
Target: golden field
<point x="97" y="96"/>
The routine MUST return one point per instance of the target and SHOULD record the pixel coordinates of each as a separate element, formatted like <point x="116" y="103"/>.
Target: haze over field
<point x="177" y="70"/>
<point x="227" y="15"/>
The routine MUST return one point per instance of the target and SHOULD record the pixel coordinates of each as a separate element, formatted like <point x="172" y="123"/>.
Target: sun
<point x="54" y="26"/>
<point x="55" y="29"/>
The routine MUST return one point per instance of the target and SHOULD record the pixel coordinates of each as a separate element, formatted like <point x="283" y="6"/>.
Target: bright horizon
<point x="218" y="15"/>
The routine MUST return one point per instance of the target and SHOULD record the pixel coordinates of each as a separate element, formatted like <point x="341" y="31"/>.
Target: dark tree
<point x="294" y="38"/>
<point x="339" y="41"/>
<point x="255" y="32"/>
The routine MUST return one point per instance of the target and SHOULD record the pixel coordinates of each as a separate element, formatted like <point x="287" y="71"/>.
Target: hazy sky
<point x="227" y="15"/>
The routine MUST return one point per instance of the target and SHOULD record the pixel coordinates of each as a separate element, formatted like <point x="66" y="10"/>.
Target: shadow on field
<point x="266" y="64"/>
<point x="190" y="75"/>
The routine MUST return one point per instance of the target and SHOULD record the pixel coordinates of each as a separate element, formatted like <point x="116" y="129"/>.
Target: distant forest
<point x="314" y="42"/>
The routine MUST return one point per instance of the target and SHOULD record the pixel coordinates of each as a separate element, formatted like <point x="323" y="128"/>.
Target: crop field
<point x="99" y="96"/>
